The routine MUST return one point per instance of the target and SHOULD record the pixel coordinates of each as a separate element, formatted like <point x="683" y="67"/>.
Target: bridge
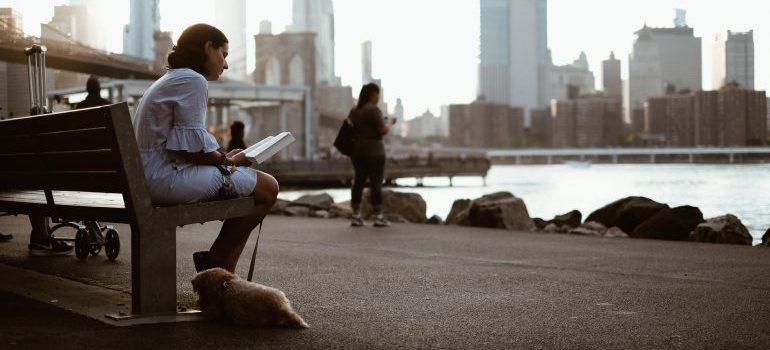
<point x="616" y="155"/>
<point x="76" y="57"/>
<point x="600" y="155"/>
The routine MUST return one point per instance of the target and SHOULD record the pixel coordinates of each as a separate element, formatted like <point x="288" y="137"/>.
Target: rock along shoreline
<point x="630" y="217"/>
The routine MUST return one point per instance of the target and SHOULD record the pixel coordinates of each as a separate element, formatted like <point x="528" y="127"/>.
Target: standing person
<point x="180" y="157"/>
<point x="368" y="155"/>
<point x="94" y="97"/>
<point x="236" y="136"/>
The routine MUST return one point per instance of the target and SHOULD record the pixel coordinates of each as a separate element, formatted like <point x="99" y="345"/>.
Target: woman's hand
<point x="238" y="157"/>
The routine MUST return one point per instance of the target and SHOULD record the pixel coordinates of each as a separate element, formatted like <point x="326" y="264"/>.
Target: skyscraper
<point x="613" y="84"/>
<point x="734" y="59"/>
<point x="663" y="58"/>
<point x="317" y="16"/>
<point x="230" y="17"/>
<point x="366" y="62"/>
<point x="513" y="56"/>
<point x="138" y="35"/>
<point x="575" y="76"/>
<point x="76" y="23"/>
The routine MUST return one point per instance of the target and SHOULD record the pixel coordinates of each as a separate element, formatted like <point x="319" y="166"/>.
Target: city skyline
<point x="412" y="58"/>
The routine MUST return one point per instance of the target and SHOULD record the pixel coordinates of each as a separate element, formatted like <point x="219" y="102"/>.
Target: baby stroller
<point x="90" y="236"/>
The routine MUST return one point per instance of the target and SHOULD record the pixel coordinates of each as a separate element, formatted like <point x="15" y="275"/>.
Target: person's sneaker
<point x="54" y="248"/>
<point x="201" y="261"/>
<point x="381" y="221"/>
<point x="356" y="221"/>
<point x="5" y="238"/>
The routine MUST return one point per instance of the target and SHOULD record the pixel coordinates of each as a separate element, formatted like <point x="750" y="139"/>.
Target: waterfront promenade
<point x="423" y="286"/>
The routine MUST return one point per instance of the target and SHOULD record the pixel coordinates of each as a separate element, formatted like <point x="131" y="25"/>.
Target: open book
<point x="265" y="149"/>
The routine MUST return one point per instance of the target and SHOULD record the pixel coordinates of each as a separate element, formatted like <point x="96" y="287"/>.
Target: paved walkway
<point x="421" y="286"/>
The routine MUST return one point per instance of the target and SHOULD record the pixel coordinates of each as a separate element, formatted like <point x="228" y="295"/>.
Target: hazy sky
<point x="426" y="51"/>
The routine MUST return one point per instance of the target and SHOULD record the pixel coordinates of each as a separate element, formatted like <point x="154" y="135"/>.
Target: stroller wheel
<point x="82" y="244"/>
<point x="111" y="244"/>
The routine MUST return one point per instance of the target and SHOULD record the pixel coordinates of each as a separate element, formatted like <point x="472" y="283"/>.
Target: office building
<point x="514" y="65"/>
<point x="734" y="60"/>
<point x="138" y="34"/>
<point x="661" y="58"/>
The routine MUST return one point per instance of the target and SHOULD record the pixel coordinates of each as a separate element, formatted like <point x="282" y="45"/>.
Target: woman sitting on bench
<point x="180" y="157"/>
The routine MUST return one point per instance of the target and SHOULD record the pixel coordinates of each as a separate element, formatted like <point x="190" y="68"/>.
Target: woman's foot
<point x="201" y="261"/>
<point x="381" y="221"/>
<point x="356" y="221"/>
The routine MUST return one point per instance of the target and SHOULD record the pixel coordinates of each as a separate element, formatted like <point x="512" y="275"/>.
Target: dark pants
<point x="371" y="167"/>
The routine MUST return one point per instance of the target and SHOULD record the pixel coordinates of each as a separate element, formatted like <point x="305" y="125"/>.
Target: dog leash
<point x="254" y="254"/>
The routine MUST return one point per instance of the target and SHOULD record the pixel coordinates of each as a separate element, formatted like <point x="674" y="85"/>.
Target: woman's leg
<point x="356" y="192"/>
<point x="228" y="246"/>
<point x="376" y="169"/>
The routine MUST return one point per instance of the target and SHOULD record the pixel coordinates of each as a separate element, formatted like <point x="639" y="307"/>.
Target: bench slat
<point x="208" y="211"/>
<point x="72" y="120"/>
<point x="75" y="140"/>
<point x="99" y="160"/>
<point x="16" y="144"/>
<point x="72" y="198"/>
<point x="89" y="181"/>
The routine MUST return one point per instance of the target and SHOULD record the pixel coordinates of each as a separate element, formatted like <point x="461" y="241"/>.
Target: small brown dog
<point x="223" y="295"/>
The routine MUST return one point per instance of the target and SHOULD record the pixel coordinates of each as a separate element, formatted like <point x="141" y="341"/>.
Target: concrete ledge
<point x="91" y="301"/>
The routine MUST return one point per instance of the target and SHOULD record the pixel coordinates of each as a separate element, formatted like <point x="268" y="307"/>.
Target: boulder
<point x="279" y="206"/>
<point x="766" y="238"/>
<point x="615" y="232"/>
<point x="670" y="223"/>
<point x="723" y="229"/>
<point x="341" y="210"/>
<point x="540" y="224"/>
<point x="571" y="219"/>
<point x="435" y="220"/>
<point x="399" y="205"/>
<point x="626" y="213"/>
<point x="322" y="201"/>
<point x="459" y="212"/>
<point x="590" y="228"/>
<point x="509" y="213"/>
<point x="551" y="228"/>
<point x="297" y="211"/>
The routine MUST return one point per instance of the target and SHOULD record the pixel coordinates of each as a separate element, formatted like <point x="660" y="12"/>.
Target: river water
<point x="547" y="190"/>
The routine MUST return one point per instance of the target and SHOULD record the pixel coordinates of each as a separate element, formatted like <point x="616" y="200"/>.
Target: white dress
<point x="171" y="116"/>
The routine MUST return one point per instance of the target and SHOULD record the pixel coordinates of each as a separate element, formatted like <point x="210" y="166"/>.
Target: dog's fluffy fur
<point x="225" y="296"/>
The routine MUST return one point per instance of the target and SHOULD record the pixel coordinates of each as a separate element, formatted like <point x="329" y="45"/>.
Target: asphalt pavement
<point x="425" y="286"/>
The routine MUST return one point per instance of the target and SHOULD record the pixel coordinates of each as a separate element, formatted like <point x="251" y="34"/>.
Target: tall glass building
<point x="138" y="35"/>
<point x="513" y="60"/>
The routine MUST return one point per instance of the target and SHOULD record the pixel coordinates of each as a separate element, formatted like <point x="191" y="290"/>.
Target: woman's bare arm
<point x="235" y="157"/>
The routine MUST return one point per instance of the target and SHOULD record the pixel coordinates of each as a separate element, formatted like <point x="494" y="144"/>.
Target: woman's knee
<point x="266" y="190"/>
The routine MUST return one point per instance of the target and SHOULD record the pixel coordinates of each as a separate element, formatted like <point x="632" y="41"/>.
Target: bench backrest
<point x="91" y="150"/>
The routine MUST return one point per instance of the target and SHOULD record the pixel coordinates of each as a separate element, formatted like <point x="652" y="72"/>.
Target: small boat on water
<point x="577" y="163"/>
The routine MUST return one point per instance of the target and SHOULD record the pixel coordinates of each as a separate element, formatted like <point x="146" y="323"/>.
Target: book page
<point x="253" y="147"/>
<point x="269" y="147"/>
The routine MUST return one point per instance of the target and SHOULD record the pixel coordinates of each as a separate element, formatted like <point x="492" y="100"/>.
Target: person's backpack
<point x="344" y="140"/>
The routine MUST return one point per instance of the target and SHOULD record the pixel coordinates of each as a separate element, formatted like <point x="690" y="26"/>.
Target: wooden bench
<point x="85" y="165"/>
